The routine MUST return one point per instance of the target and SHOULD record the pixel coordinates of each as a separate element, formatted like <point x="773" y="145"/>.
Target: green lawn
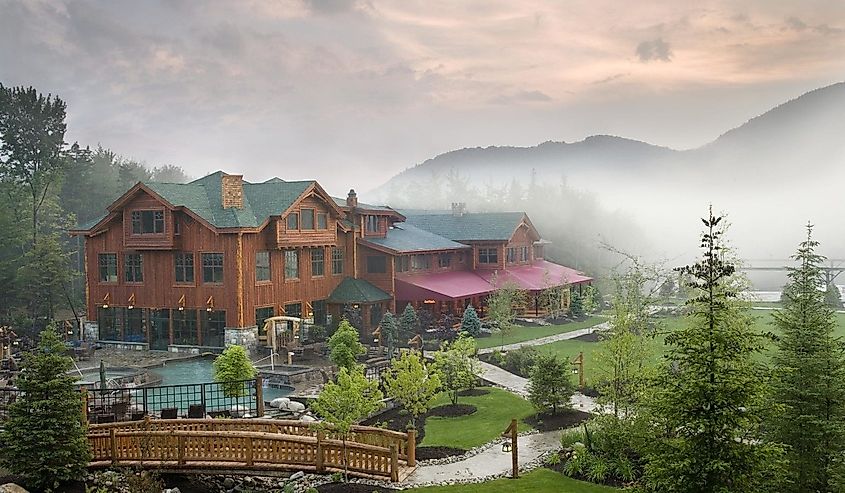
<point x="537" y="481"/>
<point x="520" y="334"/>
<point x="494" y="414"/>
<point x="571" y="348"/>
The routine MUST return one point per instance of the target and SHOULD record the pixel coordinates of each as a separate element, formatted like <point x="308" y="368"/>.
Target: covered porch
<point x="360" y="302"/>
<point x="443" y="293"/>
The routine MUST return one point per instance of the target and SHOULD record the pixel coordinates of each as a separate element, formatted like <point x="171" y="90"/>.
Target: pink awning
<point x="537" y="276"/>
<point x="442" y="286"/>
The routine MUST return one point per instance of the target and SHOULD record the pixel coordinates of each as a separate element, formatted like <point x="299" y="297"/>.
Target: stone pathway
<point x="489" y="463"/>
<point x="546" y="340"/>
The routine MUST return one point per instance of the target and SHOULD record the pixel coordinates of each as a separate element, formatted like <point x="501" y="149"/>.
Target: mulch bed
<point x="591" y="337"/>
<point x="397" y="419"/>
<point x="452" y="410"/>
<point x="426" y="453"/>
<point x="473" y="392"/>
<point x="566" y="418"/>
<point x="352" y="488"/>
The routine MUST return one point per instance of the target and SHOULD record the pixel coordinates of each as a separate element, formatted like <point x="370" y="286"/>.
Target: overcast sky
<point x="351" y="92"/>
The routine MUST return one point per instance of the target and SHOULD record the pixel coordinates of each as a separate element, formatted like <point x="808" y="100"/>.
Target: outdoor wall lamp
<point x="209" y="304"/>
<point x="131" y="301"/>
<point x="182" y="303"/>
<point x="106" y="300"/>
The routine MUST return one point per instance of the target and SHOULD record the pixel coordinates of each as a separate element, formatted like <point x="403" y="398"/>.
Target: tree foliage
<point x="44" y="439"/>
<point x="576" y="304"/>
<point x="231" y="368"/>
<point x="457" y="365"/>
<point x="389" y="332"/>
<point x="470" y="323"/>
<point x="809" y="377"/>
<point x="408" y="322"/>
<point x="550" y="385"/>
<point x="345" y="402"/>
<point x="410" y="383"/>
<point x="833" y="297"/>
<point x="706" y="402"/>
<point x="502" y="304"/>
<point x="345" y="346"/>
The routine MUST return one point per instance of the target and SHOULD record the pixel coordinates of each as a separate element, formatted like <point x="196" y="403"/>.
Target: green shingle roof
<point x="357" y="291"/>
<point x="404" y="238"/>
<point x="261" y="200"/>
<point x="342" y="203"/>
<point x="480" y="226"/>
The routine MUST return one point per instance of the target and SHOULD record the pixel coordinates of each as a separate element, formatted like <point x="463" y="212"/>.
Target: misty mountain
<point x="801" y="137"/>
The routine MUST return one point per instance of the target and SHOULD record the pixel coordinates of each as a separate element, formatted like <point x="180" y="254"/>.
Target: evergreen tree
<point x="576" y="304"/>
<point x="550" y="385"/>
<point x="470" y="323"/>
<point x="706" y="402"/>
<point x="44" y="438"/>
<point x="345" y="346"/>
<point x="833" y="297"/>
<point x="809" y="382"/>
<point x="231" y="368"/>
<point x="408" y="322"/>
<point x="389" y="332"/>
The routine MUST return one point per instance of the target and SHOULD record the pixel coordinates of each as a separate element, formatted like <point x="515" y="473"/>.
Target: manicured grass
<point x="494" y="414"/>
<point x="520" y="334"/>
<point x="656" y="348"/>
<point x="537" y="481"/>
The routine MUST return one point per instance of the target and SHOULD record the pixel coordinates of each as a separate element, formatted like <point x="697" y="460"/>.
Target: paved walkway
<point x="491" y="462"/>
<point x="546" y="340"/>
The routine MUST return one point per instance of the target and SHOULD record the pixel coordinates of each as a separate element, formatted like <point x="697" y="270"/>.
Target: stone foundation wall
<point x="244" y="336"/>
<point x="128" y="346"/>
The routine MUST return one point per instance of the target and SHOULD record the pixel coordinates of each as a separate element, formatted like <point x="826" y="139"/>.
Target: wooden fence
<point x="253" y="444"/>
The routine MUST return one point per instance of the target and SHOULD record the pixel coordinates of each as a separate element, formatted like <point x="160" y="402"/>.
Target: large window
<point x="420" y="262"/>
<point x="212" y="267"/>
<point x="372" y="224"/>
<point x="293" y="220"/>
<point x="337" y="261"/>
<point x="109" y="325"/>
<point x="318" y="261"/>
<point x="319" y="309"/>
<point x="488" y="256"/>
<point x="185" y="327"/>
<point x="213" y="328"/>
<point x="523" y="254"/>
<point x="511" y="255"/>
<point x="261" y="316"/>
<point x="291" y="264"/>
<point x="322" y="220"/>
<point x="146" y="222"/>
<point x="402" y="264"/>
<point x="307" y="218"/>
<point x="133" y="267"/>
<point x="184" y="264"/>
<point x="444" y="260"/>
<point x="108" y="267"/>
<point x="376" y="264"/>
<point x="159" y="329"/>
<point x="135" y="330"/>
<point x="262" y="266"/>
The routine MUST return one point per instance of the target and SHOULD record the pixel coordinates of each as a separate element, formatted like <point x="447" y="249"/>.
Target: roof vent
<point x="459" y="208"/>
<point x="232" y="187"/>
<point x="352" y="199"/>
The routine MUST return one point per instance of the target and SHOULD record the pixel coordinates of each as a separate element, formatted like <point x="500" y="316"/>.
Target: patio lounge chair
<point x="170" y="413"/>
<point x="196" y="411"/>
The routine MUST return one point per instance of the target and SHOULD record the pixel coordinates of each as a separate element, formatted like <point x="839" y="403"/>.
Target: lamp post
<point x="511" y="446"/>
<point x="579" y="369"/>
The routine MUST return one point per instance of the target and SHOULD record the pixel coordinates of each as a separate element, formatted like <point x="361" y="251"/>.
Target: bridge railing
<point x="229" y="443"/>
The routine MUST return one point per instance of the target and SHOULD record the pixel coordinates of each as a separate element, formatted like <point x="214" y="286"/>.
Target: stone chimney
<point x="352" y="199"/>
<point x="232" y="187"/>
<point x="459" y="208"/>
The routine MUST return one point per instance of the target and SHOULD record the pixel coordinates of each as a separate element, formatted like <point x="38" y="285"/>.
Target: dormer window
<point x="307" y="218"/>
<point x="147" y="222"/>
<point x="372" y="224"/>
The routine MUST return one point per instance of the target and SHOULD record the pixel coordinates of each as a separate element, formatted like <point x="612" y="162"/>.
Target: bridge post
<point x="259" y="395"/>
<point x="412" y="447"/>
<point x="394" y="463"/>
<point x="180" y="450"/>
<point x="249" y="444"/>
<point x="113" y="444"/>
<point x="319" y="459"/>
<point x="84" y="392"/>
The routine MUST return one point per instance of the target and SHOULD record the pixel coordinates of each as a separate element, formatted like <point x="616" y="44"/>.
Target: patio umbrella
<point x="102" y="375"/>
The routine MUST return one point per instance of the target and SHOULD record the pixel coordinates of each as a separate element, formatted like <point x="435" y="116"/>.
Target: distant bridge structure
<point x="831" y="269"/>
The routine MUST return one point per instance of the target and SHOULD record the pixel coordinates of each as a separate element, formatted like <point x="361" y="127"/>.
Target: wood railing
<point x="260" y="444"/>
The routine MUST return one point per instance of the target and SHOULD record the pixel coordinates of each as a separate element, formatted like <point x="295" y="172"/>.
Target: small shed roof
<point x="357" y="291"/>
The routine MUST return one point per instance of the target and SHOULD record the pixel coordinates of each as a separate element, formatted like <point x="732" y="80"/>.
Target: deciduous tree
<point x="457" y="364"/>
<point x="502" y="304"/>
<point x="231" y="368"/>
<point x="410" y="382"/>
<point x="345" y="346"/>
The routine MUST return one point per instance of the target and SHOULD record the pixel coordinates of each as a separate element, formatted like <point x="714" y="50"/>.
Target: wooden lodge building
<point x="203" y="264"/>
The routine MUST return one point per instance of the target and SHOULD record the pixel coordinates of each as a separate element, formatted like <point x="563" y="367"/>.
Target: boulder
<point x="280" y="403"/>
<point x="239" y="411"/>
<point x="296" y="407"/>
<point x="297" y="476"/>
<point x="307" y="418"/>
<point x="12" y="488"/>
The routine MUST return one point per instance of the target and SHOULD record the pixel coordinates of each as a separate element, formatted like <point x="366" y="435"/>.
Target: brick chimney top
<point x="459" y="208"/>
<point x="352" y="199"/>
<point x="232" y="187"/>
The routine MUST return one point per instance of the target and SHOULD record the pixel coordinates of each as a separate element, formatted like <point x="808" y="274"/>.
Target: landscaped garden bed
<point x="565" y="418"/>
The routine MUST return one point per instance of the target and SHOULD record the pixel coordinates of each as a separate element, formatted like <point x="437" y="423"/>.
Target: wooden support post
<point x="514" y="452"/>
<point x="259" y="395"/>
<point x="113" y="443"/>
<point x="394" y="463"/>
<point x="84" y="393"/>
<point x="180" y="450"/>
<point x="249" y="444"/>
<point x="320" y="458"/>
<point x="412" y="447"/>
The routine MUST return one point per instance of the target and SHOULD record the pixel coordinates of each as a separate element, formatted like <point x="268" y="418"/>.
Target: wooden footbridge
<point x="258" y="446"/>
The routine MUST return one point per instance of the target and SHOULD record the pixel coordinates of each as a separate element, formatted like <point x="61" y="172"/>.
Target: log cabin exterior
<point x="182" y="267"/>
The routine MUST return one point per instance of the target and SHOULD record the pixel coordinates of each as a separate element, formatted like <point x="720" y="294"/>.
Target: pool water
<point x="199" y="370"/>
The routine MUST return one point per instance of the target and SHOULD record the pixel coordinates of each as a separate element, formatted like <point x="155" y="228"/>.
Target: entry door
<point x="159" y="330"/>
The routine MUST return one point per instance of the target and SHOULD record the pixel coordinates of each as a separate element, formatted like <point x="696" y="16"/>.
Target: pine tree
<point x="576" y="305"/>
<point x="809" y="382"/>
<point x="470" y="323"/>
<point x="389" y="332"/>
<point x="833" y="297"/>
<point x="408" y="322"/>
<point x="550" y="385"/>
<point x="706" y="402"/>
<point x="44" y="438"/>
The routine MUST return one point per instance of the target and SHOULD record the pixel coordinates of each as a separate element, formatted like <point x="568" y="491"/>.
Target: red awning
<point x="537" y="276"/>
<point x="442" y="286"/>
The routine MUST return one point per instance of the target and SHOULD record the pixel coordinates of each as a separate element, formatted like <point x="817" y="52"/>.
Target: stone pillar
<point x="243" y="336"/>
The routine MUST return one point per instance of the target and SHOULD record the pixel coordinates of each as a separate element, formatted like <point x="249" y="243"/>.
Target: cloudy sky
<point x="350" y="92"/>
